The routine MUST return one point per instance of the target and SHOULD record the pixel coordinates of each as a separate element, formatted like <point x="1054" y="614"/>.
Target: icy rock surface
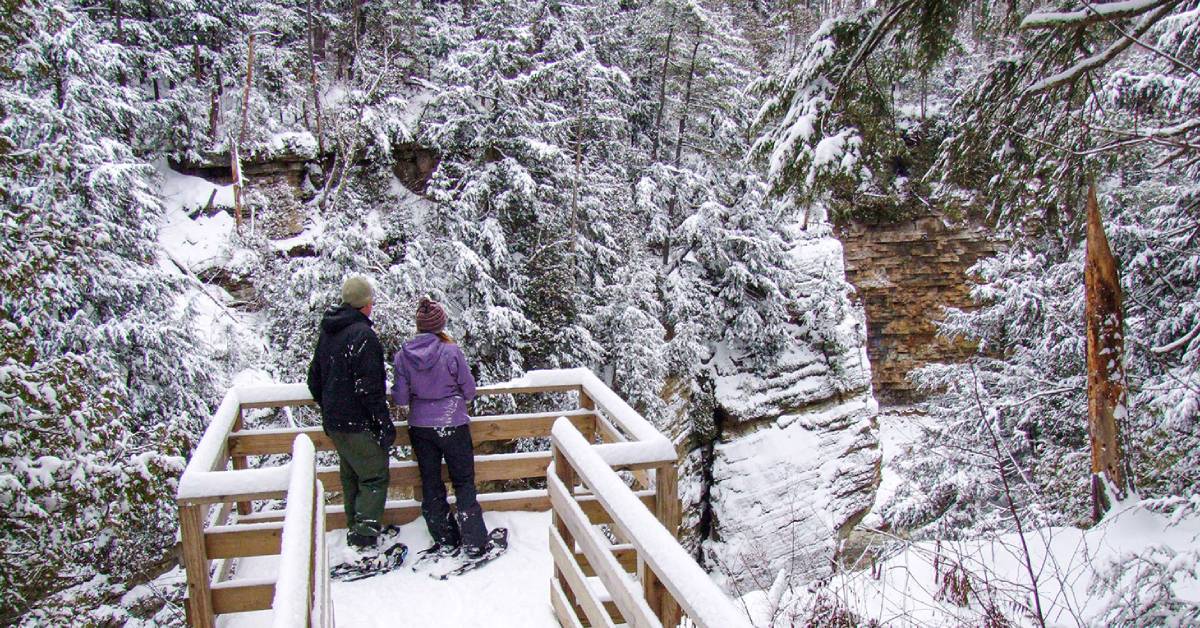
<point x="796" y="465"/>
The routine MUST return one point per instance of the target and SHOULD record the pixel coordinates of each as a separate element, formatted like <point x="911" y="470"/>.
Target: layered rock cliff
<point x="905" y="274"/>
<point x="794" y="461"/>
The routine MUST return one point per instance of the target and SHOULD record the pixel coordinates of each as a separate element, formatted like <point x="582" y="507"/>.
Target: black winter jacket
<point x="346" y="376"/>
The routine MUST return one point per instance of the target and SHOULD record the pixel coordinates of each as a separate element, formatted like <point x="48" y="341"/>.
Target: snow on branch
<point x="1091" y="14"/>
<point x="1099" y="59"/>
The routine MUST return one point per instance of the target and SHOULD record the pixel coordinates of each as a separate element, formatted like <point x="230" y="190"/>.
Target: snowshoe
<point x="387" y="554"/>
<point x="497" y="544"/>
<point x="434" y="554"/>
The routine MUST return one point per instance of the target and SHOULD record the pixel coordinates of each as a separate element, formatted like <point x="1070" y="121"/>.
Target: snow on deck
<point x="513" y="591"/>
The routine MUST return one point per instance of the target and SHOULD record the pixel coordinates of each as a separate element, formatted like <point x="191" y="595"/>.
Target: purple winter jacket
<point x="432" y="377"/>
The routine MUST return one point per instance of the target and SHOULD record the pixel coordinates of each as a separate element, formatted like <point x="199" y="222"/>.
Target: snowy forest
<point x="659" y="191"/>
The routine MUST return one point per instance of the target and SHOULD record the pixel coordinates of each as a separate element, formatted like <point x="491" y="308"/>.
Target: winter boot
<point x="361" y="541"/>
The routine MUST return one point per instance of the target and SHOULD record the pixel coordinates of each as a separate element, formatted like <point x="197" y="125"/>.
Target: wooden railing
<point x="666" y="588"/>
<point x="300" y="594"/>
<point x="302" y="589"/>
<point x="219" y="475"/>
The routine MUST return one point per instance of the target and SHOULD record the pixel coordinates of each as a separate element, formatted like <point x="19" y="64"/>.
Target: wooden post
<point x="562" y="469"/>
<point x="586" y="403"/>
<point x="666" y="508"/>
<point x="652" y="589"/>
<point x="191" y="532"/>
<point x="313" y="542"/>
<point x="239" y="464"/>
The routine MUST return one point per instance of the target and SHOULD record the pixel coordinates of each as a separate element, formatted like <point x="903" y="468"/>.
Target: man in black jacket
<point x="346" y="379"/>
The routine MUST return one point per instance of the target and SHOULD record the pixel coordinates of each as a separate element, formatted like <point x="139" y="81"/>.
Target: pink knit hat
<point x="430" y="317"/>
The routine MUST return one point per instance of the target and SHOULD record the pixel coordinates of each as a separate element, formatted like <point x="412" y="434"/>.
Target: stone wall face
<point x="905" y="274"/>
<point x="795" y="459"/>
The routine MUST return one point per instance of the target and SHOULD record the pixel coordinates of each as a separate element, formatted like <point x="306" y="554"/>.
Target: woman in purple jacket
<point x="432" y="378"/>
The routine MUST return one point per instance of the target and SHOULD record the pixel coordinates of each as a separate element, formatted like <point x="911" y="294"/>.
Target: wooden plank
<point x="235" y="598"/>
<point x="241" y="464"/>
<point x="595" y="510"/>
<point x="323" y="607"/>
<point x="652" y="589"/>
<point x="405" y="511"/>
<point x="487" y="468"/>
<point x="221" y="569"/>
<point x="278" y="403"/>
<point x="615" y="613"/>
<point x="666" y="502"/>
<point x="264" y="442"/>
<point x="633" y="607"/>
<point x="261" y="539"/>
<point x="222" y="516"/>
<point x="626" y="556"/>
<point x="483" y="429"/>
<point x="586" y="403"/>
<point x="482" y="391"/>
<point x="609" y="432"/>
<point x="487" y="391"/>
<point x="400" y="512"/>
<point x="316" y="540"/>
<point x="191" y="532"/>
<point x="566" y="475"/>
<point x="206" y="500"/>
<point x="564" y="562"/>
<point x="562" y="608"/>
<point x="508" y="427"/>
<point x="708" y="605"/>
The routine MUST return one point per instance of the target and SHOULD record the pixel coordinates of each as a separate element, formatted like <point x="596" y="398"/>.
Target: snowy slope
<point x="1152" y="551"/>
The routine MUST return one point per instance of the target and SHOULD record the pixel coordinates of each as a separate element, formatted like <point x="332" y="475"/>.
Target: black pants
<point x="430" y="446"/>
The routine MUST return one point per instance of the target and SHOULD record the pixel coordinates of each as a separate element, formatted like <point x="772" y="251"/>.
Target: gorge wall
<point x="904" y="274"/>
<point x="794" y="461"/>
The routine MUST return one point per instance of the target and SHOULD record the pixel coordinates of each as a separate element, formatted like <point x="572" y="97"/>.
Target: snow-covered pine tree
<point x="105" y="384"/>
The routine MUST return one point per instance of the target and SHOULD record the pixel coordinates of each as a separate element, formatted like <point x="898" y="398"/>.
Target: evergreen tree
<point x="105" y="384"/>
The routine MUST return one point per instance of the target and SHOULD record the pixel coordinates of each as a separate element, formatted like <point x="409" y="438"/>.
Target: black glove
<point x="386" y="435"/>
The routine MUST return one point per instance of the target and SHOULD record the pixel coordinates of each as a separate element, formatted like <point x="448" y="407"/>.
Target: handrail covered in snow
<point x="300" y="594"/>
<point x="671" y="581"/>
<point x="302" y="590"/>
<point x="228" y="484"/>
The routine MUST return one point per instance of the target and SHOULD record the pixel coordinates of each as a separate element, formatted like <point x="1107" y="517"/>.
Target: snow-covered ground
<point x="513" y="591"/>
<point x="920" y="585"/>
<point x="899" y="429"/>
<point x="1142" y="552"/>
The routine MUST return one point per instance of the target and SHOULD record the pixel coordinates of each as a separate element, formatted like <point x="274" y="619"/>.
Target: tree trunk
<point x="319" y="36"/>
<point x="312" y="68"/>
<point x="662" y="91"/>
<point x="214" y="104"/>
<point x="1106" y="367"/>
<point x="683" y="116"/>
<point x="235" y="162"/>
<point x="246" y="91"/>
<point x="578" y="171"/>
<point x="234" y="152"/>
<point x="119" y="12"/>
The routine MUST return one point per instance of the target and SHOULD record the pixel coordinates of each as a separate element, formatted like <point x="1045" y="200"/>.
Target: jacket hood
<point x="423" y="351"/>
<point x="340" y="317"/>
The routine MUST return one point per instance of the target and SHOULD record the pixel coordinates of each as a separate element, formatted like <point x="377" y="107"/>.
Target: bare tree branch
<point x="1098" y="60"/>
<point x="1089" y="14"/>
<point x="1162" y="53"/>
